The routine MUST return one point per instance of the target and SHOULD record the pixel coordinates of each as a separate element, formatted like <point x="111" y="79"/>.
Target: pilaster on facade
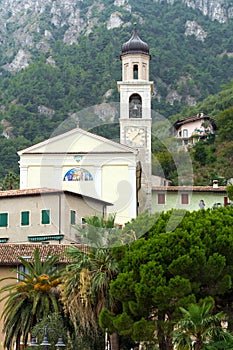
<point x="23" y="177"/>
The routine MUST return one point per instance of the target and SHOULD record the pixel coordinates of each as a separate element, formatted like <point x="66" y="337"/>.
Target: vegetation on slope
<point x="35" y="101"/>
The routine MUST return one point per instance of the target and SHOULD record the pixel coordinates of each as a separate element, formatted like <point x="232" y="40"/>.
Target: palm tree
<point x="99" y="231"/>
<point x="86" y="287"/>
<point x="199" y="329"/>
<point x="32" y="296"/>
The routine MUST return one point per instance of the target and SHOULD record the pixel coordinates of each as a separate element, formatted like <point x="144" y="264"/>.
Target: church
<point x="114" y="175"/>
<point x="87" y="164"/>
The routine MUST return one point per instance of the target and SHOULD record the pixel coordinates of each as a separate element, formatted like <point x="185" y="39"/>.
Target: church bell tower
<point x="135" y="112"/>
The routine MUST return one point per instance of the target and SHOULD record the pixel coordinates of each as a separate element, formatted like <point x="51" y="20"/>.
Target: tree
<point x="87" y="279"/>
<point x="56" y="327"/>
<point x="99" y="231"/>
<point x="225" y="125"/>
<point x="230" y="192"/>
<point x="32" y="296"/>
<point x="10" y="181"/>
<point x="166" y="270"/>
<point x="86" y="289"/>
<point x="200" y="152"/>
<point x="199" y="328"/>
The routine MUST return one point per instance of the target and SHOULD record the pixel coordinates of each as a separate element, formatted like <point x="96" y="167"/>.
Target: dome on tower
<point x="135" y="45"/>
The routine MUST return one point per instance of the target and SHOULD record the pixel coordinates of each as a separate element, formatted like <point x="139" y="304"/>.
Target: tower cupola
<point x="135" y="45"/>
<point x="135" y="59"/>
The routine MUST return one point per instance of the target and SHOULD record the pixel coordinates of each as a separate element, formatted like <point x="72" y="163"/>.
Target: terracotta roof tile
<point x="9" y="253"/>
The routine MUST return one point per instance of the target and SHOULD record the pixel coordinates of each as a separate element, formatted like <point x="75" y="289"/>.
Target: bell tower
<point x="135" y="112"/>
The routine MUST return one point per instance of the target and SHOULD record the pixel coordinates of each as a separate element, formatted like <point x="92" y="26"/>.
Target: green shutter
<point x="3" y="219"/>
<point x="72" y="217"/>
<point x="24" y="218"/>
<point x="45" y="217"/>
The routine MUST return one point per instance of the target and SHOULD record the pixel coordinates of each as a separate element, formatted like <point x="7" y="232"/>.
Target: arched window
<point x="185" y="133"/>
<point x="78" y="174"/>
<point x="135" y="106"/>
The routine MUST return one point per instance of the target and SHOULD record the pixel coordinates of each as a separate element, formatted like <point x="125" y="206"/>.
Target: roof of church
<point x="135" y="45"/>
<point x="109" y="146"/>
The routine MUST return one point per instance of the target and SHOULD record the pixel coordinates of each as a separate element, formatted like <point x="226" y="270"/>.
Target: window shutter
<point x="24" y="218"/>
<point x="72" y="217"/>
<point x="3" y="219"/>
<point x="161" y="198"/>
<point x="184" y="198"/>
<point x="45" y="217"/>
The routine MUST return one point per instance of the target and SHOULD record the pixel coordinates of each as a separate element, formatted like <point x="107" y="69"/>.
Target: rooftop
<point x="10" y="253"/>
<point x="135" y="45"/>
<point x="199" y="116"/>
<point x="190" y="188"/>
<point x="45" y="191"/>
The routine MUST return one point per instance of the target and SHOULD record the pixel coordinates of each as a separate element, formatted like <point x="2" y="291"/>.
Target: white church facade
<point x="84" y="163"/>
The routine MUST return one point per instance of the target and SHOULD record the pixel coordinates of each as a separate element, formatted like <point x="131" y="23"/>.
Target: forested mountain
<point x="58" y="58"/>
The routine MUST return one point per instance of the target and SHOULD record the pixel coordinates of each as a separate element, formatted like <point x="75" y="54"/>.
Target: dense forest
<point x="67" y="80"/>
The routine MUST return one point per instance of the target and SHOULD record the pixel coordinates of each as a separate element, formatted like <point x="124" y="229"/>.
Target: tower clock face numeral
<point x="135" y="136"/>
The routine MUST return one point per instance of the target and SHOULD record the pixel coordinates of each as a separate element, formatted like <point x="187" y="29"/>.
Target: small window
<point x="24" y="218"/>
<point x="135" y="71"/>
<point x="184" y="198"/>
<point x="161" y="198"/>
<point x="72" y="217"/>
<point x="22" y="270"/>
<point x="83" y="223"/>
<point x="3" y="219"/>
<point x="45" y="217"/>
<point x="185" y="133"/>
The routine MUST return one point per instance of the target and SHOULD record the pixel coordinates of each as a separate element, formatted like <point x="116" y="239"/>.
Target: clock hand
<point x="135" y="136"/>
<point x="140" y="132"/>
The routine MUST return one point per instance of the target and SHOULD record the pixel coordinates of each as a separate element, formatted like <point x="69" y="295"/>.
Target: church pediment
<point x="77" y="141"/>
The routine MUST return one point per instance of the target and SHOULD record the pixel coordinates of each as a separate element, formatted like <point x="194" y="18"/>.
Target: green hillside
<point x="37" y="99"/>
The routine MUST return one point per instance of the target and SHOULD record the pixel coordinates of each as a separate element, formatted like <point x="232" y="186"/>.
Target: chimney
<point x="215" y="183"/>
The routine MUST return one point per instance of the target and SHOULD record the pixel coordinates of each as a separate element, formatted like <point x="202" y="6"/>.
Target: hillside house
<point x="190" y="130"/>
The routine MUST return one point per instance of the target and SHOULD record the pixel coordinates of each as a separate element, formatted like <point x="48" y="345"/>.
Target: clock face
<point x="135" y="136"/>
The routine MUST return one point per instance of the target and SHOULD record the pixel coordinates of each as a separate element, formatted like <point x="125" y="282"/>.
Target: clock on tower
<point x="135" y="136"/>
<point x="135" y="110"/>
